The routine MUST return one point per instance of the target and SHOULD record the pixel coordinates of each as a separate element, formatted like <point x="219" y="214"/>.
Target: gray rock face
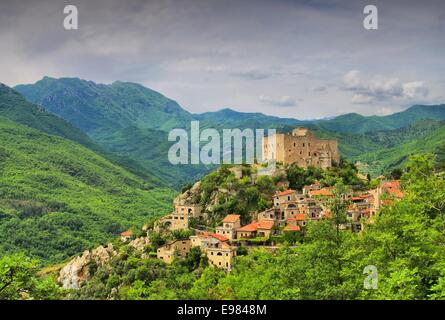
<point x="76" y="271"/>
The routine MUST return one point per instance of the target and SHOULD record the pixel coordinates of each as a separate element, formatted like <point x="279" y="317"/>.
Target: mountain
<point x="15" y="107"/>
<point x="397" y="145"/>
<point x="126" y="118"/>
<point x="58" y="198"/>
<point x="133" y="121"/>
<point x="228" y="118"/>
<point x="98" y="108"/>
<point x="355" y="123"/>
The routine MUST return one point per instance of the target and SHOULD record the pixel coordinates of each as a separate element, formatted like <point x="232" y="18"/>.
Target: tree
<point x="19" y="280"/>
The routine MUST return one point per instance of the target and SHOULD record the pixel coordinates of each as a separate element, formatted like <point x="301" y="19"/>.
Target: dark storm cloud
<point x="206" y="54"/>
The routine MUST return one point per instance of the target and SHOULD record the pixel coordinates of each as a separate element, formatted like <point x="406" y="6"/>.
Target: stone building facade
<point x="301" y="147"/>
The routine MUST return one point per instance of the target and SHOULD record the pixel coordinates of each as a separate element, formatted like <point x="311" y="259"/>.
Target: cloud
<point x="383" y="89"/>
<point x="284" y="101"/>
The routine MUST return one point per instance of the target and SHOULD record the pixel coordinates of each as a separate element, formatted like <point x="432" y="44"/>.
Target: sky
<point x="302" y="59"/>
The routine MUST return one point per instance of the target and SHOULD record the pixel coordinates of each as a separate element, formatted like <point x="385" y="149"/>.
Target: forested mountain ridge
<point x="133" y="121"/>
<point x="58" y="198"/>
<point x="126" y="118"/>
<point x="15" y="107"/>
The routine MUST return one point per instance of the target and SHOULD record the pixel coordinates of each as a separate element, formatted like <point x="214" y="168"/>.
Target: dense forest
<point x="58" y="198"/>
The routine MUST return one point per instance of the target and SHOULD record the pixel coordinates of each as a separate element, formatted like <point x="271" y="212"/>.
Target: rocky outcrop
<point x="140" y="243"/>
<point x="77" y="270"/>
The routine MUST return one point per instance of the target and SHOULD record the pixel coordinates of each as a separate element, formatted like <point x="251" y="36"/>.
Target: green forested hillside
<point x="15" y="107"/>
<point x="393" y="154"/>
<point x="58" y="198"/>
<point x="130" y="120"/>
<point x="355" y="123"/>
<point x="98" y="109"/>
<point x="387" y="149"/>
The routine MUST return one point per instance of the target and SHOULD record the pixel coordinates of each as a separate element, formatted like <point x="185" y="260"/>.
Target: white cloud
<point x="383" y="89"/>
<point x="415" y="89"/>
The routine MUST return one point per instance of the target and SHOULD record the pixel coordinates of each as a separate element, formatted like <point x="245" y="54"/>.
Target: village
<point x="289" y="214"/>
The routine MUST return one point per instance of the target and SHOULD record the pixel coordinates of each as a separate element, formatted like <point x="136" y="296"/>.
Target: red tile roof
<point x="284" y="193"/>
<point x="266" y="224"/>
<point x="231" y="218"/>
<point x="127" y="233"/>
<point x="322" y="192"/>
<point x="393" y="187"/>
<point x="254" y="226"/>
<point x="219" y="237"/>
<point x="251" y="227"/>
<point x="292" y="228"/>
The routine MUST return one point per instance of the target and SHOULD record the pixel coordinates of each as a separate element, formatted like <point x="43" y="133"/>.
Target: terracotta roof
<point x="284" y="193"/>
<point x="127" y="233"/>
<point x="266" y="224"/>
<point x="219" y="237"/>
<point x="292" y="228"/>
<point x="251" y="227"/>
<point x="393" y="187"/>
<point x="226" y="245"/>
<point x="322" y="192"/>
<point x="231" y="218"/>
<point x="254" y="226"/>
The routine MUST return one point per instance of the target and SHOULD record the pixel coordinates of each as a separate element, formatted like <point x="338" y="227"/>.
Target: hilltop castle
<point x="301" y="147"/>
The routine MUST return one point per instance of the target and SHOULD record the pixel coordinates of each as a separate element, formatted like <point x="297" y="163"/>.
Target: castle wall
<point x="303" y="148"/>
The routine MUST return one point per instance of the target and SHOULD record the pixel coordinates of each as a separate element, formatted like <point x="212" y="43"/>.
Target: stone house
<point x="256" y="229"/>
<point x="221" y="255"/>
<point x="175" y="248"/>
<point x="126" y="235"/>
<point x="229" y="226"/>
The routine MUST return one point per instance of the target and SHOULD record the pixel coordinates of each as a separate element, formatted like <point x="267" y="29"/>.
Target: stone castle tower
<point x="301" y="147"/>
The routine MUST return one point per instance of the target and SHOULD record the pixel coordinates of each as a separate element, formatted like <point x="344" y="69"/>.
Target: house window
<point x="219" y="254"/>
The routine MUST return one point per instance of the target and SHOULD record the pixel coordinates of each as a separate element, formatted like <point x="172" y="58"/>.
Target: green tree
<point x="19" y="280"/>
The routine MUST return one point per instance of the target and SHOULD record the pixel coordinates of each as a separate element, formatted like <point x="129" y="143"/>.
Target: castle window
<point x="303" y="144"/>
<point x="309" y="153"/>
<point x="295" y="144"/>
